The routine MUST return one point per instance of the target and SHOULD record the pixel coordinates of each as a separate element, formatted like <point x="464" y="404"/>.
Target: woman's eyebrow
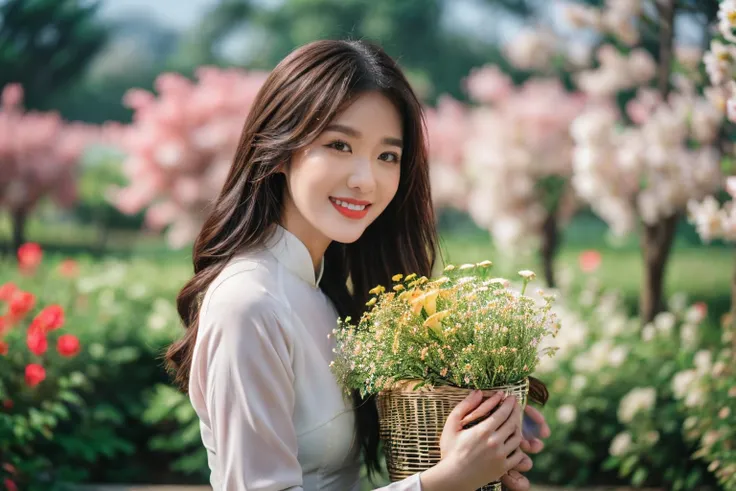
<point x="341" y="128"/>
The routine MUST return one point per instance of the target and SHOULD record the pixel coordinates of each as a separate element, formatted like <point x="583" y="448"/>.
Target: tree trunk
<point x="656" y="245"/>
<point x="666" y="11"/>
<point x="548" y="250"/>
<point x="19" y="229"/>
<point x="656" y="241"/>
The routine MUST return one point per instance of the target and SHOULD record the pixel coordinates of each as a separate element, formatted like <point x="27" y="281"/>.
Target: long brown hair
<point x="297" y="101"/>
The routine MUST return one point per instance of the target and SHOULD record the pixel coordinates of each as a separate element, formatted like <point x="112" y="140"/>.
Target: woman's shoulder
<point x="245" y="287"/>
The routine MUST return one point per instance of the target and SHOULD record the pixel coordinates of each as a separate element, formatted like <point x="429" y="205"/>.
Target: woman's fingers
<point x="514" y="481"/>
<point x="495" y="420"/>
<point x="513" y="442"/>
<point x="514" y="459"/>
<point x="509" y="428"/>
<point x="463" y="408"/>
<point x="483" y="409"/>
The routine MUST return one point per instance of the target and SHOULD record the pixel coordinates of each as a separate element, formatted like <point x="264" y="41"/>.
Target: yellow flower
<point x="395" y="347"/>
<point x="410" y="277"/>
<point x="467" y="266"/>
<point x="409" y="295"/>
<point x="434" y="321"/>
<point x="371" y="302"/>
<point x="449" y="267"/>
<point x="422" y="280"/>
<point x="440" y="281"/>
<point x="377" y="290"/>
<point x="485" y="264"/>
<point x="427" y="300"/>
<point x="398" y="288"/>
<point x="397" y="277"/>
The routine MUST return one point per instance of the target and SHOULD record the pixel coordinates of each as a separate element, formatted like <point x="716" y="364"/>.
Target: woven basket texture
<point x="411" y="423"/>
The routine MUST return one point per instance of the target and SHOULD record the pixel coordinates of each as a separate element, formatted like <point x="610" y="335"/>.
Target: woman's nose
<point x="361" y="176"/>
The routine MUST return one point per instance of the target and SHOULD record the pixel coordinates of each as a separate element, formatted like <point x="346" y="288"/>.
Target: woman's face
<point x="341" y="182"/>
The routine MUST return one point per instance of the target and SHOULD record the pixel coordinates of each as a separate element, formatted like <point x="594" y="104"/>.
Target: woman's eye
<point x="389" y="157"/>
<point x="339" y="145"/>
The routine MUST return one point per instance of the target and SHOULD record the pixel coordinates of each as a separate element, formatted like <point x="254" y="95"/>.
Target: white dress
<point x="272" y="416"/>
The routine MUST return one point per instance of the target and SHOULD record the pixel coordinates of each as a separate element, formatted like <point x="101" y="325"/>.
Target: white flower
<point x="500" y="281"/>
<point x="578" y="382"/>
<point x="682" y="382"/>
<point x="566" y="414"/>
<point x="664" y="322"/>
<point x="617" y="356"/>
<point x="638" y="399"/>
<point x="703" y="361"/>
<point x="620" y="444"/>
<point x="648" y="332"/>
<point x="695" y="397"/>
<point x="527" y="274"/>
<point x="689" y="335"/>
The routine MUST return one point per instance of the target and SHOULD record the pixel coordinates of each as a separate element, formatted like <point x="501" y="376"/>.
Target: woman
<point x="329" y="188"/>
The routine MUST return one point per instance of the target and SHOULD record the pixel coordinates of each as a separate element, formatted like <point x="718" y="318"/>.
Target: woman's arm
<point x="244" y="363"/>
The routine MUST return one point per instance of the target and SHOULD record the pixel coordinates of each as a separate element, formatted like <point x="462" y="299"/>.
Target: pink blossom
<point x="181" y="144"/>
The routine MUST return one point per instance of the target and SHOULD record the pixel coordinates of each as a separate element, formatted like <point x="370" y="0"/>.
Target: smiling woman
<point x="353" y="167"/>
<point x="329" y="187"/>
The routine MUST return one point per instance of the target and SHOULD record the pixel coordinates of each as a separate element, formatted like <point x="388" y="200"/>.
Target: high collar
<point x="294" y="255"/>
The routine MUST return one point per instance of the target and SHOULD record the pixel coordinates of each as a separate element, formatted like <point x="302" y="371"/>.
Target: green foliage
<point x="46" y="44"/>
<point x="614" y="410"/>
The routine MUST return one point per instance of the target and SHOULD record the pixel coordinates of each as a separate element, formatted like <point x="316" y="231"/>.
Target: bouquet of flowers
<point x="424" y="344"/>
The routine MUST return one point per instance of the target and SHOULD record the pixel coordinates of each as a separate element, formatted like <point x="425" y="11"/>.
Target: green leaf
<point x="640" y="475"/>
<point x="627" y="466"/>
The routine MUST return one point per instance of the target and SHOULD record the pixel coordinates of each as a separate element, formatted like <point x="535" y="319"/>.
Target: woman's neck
<point x="315" y="242"/>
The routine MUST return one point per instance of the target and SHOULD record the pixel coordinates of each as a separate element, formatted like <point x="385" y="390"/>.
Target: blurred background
<point x="589" y="141"/>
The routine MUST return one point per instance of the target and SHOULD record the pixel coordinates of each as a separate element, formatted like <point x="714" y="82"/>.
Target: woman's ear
<point x="283" y="168"/>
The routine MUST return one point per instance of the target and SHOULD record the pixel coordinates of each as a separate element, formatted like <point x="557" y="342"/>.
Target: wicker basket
<point x="411" y="423"/>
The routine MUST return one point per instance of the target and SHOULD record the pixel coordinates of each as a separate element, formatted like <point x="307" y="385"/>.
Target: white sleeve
<point x="411" y="483"/>
<point x="249" y="395"/>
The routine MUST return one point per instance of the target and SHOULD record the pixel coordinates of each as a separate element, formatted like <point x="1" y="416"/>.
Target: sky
<point x="178" y="14"/>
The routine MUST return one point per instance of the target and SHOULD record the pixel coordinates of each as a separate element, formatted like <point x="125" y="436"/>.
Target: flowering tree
<point x="38" y="157"/>
<point x="518" y="156"/>
<point x="447" y="126"/>
<point x="641" y="166"/>
<point x="181" y="144"/>
<point x="712" y="219"/>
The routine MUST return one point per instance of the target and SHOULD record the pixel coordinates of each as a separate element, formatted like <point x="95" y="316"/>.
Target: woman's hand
<point x="483" y="453"/>
<point x="514" y="480"/>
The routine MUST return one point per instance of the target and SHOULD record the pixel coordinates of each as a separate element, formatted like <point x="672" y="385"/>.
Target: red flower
<point x="69" y="268"/>
<point x="36" y="340"/>
<point x="4" y="325"/>
<point x="35" y="374"/>
<point x="8" y="404"/>
<point x="29" y="256"/>
<point x="10" y="485"/>
<point x="7" y="290"/>
<point x="67" y="345"/>
<point x="702" y="308"/>
<point x="3" y="348"/>
<point x="50" y="318"/>
<point x="589" y="260"/>
<point x="21" y="303"/>
<point x="10" y="468"/>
